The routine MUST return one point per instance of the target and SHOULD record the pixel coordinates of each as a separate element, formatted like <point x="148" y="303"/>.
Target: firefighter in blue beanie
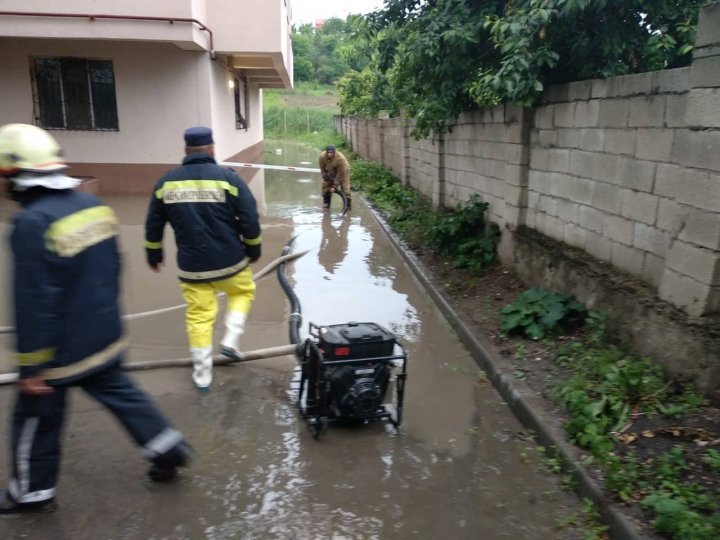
<point x="217" y="231"/>
<point x="66" y="285"/>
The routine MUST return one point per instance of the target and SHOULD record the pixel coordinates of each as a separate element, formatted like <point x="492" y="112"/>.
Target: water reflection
<point x="334" y="243"/>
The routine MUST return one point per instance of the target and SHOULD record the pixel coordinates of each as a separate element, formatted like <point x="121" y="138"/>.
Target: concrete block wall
<point x="393" y="147"/>
<point x="486" y="153"/>
<point x="625" y="169"/>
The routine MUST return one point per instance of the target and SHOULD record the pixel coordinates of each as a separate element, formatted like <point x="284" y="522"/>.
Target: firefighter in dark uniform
<point x="217" y="232"/>
<point x="66" y="284"/>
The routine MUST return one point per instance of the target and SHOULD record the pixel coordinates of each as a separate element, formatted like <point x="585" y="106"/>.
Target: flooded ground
<point x="460" y="466"/>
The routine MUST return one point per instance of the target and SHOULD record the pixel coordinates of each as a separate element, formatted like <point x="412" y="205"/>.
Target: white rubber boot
<point x="234" y="328"/>
<point x="202" y="367"/>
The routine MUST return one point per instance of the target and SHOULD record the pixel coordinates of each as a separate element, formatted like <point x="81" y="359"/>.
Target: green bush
<point x="537" y="313"/>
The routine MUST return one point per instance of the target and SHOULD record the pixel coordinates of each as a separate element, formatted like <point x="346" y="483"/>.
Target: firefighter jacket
<point x="66" y="285"/>
<point x="336" y="169"/>
<point x="213" y="214"/>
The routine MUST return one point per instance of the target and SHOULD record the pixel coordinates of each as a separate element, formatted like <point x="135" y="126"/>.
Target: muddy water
<point x="459" y="467"/>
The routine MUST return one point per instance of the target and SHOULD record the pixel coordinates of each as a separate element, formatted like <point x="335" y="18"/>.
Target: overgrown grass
<point x="300" y="114"/>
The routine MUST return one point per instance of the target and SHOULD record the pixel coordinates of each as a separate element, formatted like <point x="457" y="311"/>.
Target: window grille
<point x="74" y="94"/>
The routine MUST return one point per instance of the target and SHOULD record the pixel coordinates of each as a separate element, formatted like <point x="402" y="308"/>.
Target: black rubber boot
<point x="326" y="200"/>
<point x="349" y="203"/>
<point x="165" y="467"/>
<point x="8" y="505"/>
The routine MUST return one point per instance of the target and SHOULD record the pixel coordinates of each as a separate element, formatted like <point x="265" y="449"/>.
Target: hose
<point x="295" y="319"/>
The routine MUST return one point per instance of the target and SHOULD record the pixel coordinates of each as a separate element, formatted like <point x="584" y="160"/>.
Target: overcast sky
<point x="308" y="11"/>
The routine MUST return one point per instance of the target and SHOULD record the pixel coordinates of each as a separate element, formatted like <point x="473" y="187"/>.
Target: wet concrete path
<point x="460" y="466"/>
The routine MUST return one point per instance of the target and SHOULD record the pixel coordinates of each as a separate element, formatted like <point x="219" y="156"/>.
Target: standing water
<point x="459" y="467"/>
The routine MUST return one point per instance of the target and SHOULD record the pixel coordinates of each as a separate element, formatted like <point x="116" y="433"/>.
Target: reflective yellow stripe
<point x="153" y="245"/>
<point x="36" y="357"/>
<point x="253" y="241"/>
<point x="75" y="233"/>
<point x="172" y="185"/>
<point x="215" y="274"/>
<point x="86" y="364"/>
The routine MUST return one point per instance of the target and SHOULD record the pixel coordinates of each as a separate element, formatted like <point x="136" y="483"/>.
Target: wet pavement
<point x="459" y="467"/>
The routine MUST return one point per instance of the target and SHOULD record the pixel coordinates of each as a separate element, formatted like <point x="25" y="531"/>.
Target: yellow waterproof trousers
<point x="202" y="304"/>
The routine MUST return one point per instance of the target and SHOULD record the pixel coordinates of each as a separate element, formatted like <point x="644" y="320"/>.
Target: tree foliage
<point x="433" y="59"/>
<point x="324" y="54"/>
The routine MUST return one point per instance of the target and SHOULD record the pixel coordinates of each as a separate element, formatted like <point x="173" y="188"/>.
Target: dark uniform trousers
<point x="38" y="423"/>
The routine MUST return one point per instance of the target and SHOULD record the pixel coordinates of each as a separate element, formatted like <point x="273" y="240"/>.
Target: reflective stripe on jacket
<point x="66" y="274"/>
<point x="214" y="217"/>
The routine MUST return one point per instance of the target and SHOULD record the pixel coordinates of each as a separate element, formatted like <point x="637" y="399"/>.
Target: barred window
<point x="74" y="94"/>
<point x="240" y="104"/>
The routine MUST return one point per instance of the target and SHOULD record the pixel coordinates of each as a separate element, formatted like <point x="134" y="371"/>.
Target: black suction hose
<point x="295" y="320"/>
<point x="344" y="200"/>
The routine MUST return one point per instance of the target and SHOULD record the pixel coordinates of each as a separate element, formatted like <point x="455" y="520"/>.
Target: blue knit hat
<point x="198" y="136"/>
<point x="330" y="148"/>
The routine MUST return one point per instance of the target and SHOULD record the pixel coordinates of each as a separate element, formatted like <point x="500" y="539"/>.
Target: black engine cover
<point x="358" y="391"/>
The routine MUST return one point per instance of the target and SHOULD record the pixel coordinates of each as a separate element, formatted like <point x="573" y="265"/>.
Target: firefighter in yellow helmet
<point x="68" y="328"/>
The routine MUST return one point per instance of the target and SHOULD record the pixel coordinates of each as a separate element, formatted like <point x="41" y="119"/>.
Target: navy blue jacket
<point x="66" y="285"/>
<point x="213" y="214"/>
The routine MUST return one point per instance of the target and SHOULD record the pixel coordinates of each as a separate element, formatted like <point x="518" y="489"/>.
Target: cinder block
<point x="592" y="140"/>
<point x="647" y="111"/>
<point x="603" y="167"/>
<point x="554" y="228"/>
<point x="697" y="149"/>
<point x="559" y="160"/>
<point x="544" y="115"/>
<point x="674" y="81"/>
<point x="689" y="186"/>
<point x="708" y="29"/>
<point x="539" y="181"/>
<point x="637" y="84"/>
<point x="556" y="94"/>
<point x="569" y="138"/>
<point x="651" y="239"/>
<point x="548" y="205"/>
<point x="587" y="113"/>
<point x="575" y="236"/>
<point x="568" y="211"/>
<point x="618" y="229"/>
<point x="599" y="89"/>
<point x="620" y="141"/>
<point x="698" y="263"/>
<point x="684" y="292"/>
<point x="676" y="110"/>
<point x="636" y="174"/>
<point x="598" y="246"/>
<point x="579" y="90"/>
<point x="579" y="190"/>
<point x="513" y="194"/>
<point x="705" y="72"/>
<point x="512" y="153"/>
<point x="653" y="268"/>
<point x="703" y="107"/>
<point x="515" y="175"/>
<point x="565" y="115"/>
<point x="655" y="144"/>
<point x="701" y="228"/>
<point x="607" y="198"/>
<point x="640" y="206"/>
<point x="591" y="219"/>
<point x="614" y="113"/>
<point x="628" y="259"/>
